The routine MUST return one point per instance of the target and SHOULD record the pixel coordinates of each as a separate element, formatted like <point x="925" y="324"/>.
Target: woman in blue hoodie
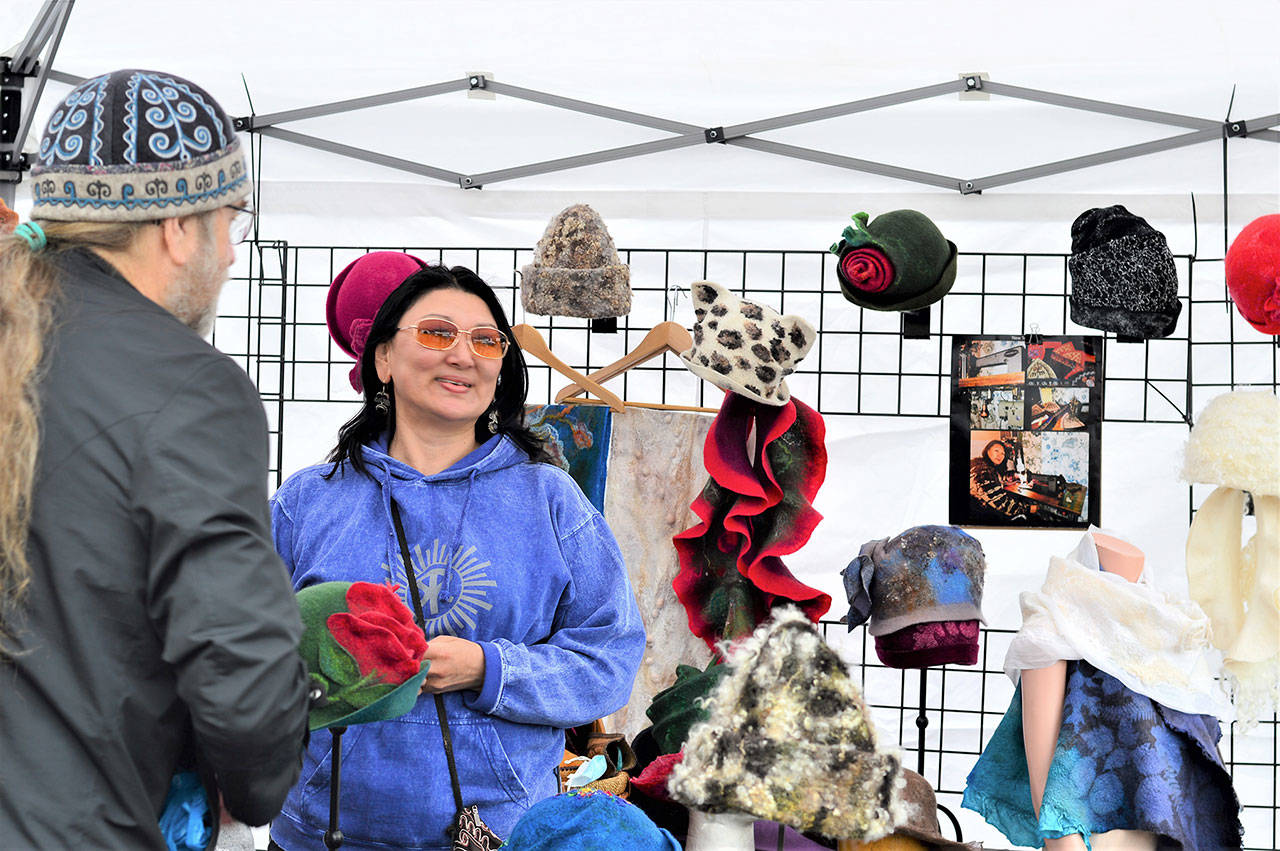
<point x="532" y="622"/>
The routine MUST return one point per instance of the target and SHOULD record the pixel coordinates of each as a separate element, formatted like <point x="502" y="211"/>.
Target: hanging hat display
<point x="1123" y="278"/>
<point x="789" y="739"/>
<point x="1235" y="444"/>
<point x="135" y="146"/>
<point x="576" y="270"/>
<point x="743" y="347"/>
<point x="362" y="650"/>
<point x="922" y="591"/>
<point x="357" y="293"/>
<point x="1253" y="273"/>
<point x="897" y="261"/>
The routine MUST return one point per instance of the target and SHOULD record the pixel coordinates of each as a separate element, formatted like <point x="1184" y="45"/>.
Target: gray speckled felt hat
<point x="132" y="146"/>
<point x="576" y="271"/>
<point x="1123" y="278"/>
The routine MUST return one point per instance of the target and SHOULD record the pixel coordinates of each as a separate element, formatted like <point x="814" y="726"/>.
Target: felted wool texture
<point x="137" y="145"/>
<point x="1253" y="273"/>
<point x="576" y="270"/>
<point x="1157" y="645"/>
<point x="756" y="507"/>
<point x="1236" y="443"/>
<point x="906" y="248"/>
<point x="925" y="574"/>
<point x="1123" y="278"/>
<point x="790" y="740"/>
<point x="743" y="347"/>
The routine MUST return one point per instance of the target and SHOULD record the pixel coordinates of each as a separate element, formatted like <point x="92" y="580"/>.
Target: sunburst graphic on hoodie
<point x="453" y="585"/>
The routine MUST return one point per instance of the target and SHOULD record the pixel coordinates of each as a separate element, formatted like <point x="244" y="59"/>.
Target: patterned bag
<point x="468" y="832"/>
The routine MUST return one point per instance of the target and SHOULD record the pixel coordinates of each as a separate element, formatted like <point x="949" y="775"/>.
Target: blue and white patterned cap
<point x="137" y="145"/>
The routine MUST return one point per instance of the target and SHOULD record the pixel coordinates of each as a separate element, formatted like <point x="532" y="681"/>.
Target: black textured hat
<point x="137" y="145"/>
<point x="1122" y="275"/>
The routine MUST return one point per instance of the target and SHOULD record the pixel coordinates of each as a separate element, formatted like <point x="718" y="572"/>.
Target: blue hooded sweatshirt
<point x="508" y="553"/>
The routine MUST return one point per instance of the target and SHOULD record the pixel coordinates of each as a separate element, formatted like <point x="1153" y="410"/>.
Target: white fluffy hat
<point x="1236" y="443"/>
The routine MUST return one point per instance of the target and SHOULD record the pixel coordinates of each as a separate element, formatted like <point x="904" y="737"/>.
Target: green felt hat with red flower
<point x="897" y="261"/>
<point x="363" y="650"/>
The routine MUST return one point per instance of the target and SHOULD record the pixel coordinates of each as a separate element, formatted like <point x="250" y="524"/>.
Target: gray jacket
<point x="159" y="622"/>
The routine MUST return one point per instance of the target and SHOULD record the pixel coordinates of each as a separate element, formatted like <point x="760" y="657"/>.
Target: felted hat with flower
<point x="363" y="650"/>
<point x="897" y="261"/>
<point x="1123" y="278"/>
<point x="744" y="347"/>
<point x="576" y="270"/>
<point x="922" y="591"/>
<point x="790" y="740"/>
<point x="357" y="293"/>
<point x="1253" y="273"/>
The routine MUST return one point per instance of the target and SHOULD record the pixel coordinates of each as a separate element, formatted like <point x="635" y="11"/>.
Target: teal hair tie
<point x="33" y="234"/>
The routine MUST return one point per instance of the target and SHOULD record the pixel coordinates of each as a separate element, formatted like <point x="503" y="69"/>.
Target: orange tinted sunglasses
<point x="439" y="334"/>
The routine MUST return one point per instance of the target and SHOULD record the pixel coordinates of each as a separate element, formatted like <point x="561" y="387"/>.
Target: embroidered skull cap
<point x="744" y="347"/>
<point x="356" y="295"/>
<point x="133" y="146"/>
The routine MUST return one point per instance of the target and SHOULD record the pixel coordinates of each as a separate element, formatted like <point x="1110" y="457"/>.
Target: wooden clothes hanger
<point x="663" y="337"/>
<point x="531" y="343"/>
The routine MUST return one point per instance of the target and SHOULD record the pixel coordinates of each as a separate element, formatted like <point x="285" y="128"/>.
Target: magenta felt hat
<point x="357" y="293"/>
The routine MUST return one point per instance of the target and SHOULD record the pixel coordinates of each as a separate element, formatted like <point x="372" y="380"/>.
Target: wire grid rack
<point x="272" y="321"/>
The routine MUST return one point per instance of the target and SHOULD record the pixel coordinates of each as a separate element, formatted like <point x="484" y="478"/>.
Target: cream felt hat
<point x="1236" y="443"/>
<point x="744" y="347"/>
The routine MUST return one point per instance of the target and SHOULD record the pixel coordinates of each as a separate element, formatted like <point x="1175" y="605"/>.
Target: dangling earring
<point x="382" y="402"/>
<point x="493" y="421"/>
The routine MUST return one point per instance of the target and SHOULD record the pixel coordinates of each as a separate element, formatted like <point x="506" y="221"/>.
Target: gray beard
<point x="193" y="296"/>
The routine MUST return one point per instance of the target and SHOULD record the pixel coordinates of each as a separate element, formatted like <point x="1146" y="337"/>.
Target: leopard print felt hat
<point x="744" y="347"/>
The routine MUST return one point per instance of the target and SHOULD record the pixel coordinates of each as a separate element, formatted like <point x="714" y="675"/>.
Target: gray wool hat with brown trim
<point x="576" y="270"/>
<point x="134" y="146"/>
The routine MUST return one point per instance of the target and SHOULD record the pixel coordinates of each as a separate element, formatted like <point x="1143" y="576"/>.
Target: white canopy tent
<point x="715" y="64"/>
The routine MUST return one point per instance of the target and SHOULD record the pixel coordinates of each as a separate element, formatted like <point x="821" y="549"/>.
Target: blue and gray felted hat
<point x="137" y="145"/>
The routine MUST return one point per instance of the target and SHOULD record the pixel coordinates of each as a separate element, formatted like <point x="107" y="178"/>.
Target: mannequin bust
<point x="1043" y="691"/>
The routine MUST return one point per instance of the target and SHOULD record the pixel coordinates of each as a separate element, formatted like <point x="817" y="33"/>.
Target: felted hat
<point x="131" y="146"/>
<point x="898" y="261"/>
<point x="363" y="650"/>
<point x="576" y="270"/>
<point x="1236" y="443"/>
<point x="1253" y="273"/>
<point x="925" y="575"/>
<point x="357" y="293"/>
<point x="744" y="347"/>
<point x="790" y="740"/>
<point x="679" y="706"/>
<point x="925" y="645"/>
<point x="587" y="820"/>
<point x="1123" y="278"/>
<point x="920" y="821"/>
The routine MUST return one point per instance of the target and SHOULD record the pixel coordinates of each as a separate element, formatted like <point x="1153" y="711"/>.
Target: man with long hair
<point x="146" y="624"/>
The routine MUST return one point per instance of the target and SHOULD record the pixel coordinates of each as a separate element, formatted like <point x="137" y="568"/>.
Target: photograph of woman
<point x="531" y="620"/>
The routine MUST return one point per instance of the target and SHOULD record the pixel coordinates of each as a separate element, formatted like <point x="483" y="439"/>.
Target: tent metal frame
<point x="51" y="21"/>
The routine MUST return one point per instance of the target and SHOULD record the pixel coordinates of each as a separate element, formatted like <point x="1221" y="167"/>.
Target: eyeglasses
<point x="438" y="334"/>
<point x="242" y="222"/>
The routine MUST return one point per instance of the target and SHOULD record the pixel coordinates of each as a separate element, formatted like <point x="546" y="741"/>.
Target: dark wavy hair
<point x="513" y="378"/>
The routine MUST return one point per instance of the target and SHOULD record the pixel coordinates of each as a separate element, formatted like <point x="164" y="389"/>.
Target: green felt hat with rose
<point x="363" y="650"/>
<point x="897" y="261"/>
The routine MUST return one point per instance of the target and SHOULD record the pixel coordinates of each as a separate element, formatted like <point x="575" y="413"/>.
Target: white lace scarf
<point x="1157" y="645"/>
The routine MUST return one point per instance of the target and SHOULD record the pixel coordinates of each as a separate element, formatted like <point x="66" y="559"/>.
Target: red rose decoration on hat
<point x="379" y="633"/>
<point x="868" y="269"/>
<point x="1253" y="273"/>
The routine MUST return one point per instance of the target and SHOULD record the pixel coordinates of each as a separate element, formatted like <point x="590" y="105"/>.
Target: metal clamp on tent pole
<point x="1235" y="129"/>
<point x="713" y="135"/>
<point x="476" y="81"/>
<point x="11" y="83"/>
<point x="967" y="187"/>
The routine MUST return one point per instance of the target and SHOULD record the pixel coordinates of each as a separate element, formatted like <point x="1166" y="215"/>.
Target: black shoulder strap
<point x="417" y="615"/>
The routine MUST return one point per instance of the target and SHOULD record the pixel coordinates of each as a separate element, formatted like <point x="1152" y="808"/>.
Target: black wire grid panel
<point x="273" y="323"/>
